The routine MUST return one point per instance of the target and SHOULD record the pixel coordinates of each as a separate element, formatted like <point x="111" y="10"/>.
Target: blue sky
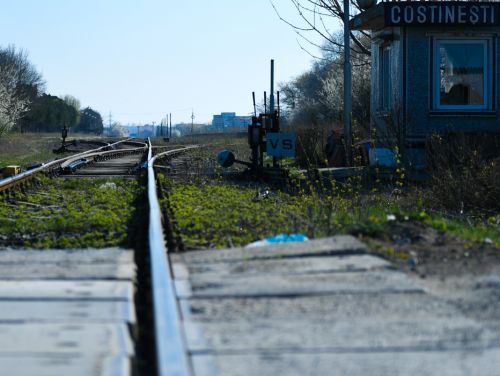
<point x="143" y="59"/>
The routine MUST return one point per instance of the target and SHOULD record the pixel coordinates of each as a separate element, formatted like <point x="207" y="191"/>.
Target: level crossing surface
<point x="327" y="307"/>
<point x="66" y="312"/>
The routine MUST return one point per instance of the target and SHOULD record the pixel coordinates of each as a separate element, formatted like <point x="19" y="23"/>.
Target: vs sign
<point x="280" y="144"/>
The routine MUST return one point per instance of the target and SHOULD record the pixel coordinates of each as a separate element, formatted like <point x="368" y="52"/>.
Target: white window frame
<point x="437" y="74"/>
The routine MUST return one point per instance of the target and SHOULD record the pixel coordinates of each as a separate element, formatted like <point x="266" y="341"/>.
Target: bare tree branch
<point x="356" y="41"/>
<point x="314" y="13"/>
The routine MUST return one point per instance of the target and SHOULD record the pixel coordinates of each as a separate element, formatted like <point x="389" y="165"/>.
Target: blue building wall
<point x="411" y="85"/>
<point x="405" y="113"/>
<point x="387" y="121"/>
<point x="411" y="117"/>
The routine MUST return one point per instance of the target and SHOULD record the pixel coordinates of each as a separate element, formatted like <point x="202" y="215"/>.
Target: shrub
<point x="465" y="172"/>
<point x="310" y="144"/>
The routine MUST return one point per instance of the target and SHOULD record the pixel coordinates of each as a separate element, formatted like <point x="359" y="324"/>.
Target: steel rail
<point x="13" y="180"/>
<point x="171" y="349"/>
<point x="136" y="143"/>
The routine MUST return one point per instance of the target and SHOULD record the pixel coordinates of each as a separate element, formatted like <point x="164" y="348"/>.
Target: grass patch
<point x="215" y="214"/>
<point x="69" y="213"/>
<point x="21" y="149"/>
<point x="477" y="231"/>
<point x="222" y="215"/>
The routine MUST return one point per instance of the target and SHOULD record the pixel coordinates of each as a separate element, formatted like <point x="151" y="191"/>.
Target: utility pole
<point x="192" y="121"/>
<point x="170" y="133"/>
<point x="109" y="120"/>
<point x="271" y="96"/>
<point x="271" y="106"/>
<point x="347" y="86"/>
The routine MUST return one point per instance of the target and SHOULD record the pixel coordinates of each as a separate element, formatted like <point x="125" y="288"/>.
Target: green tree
<point x="90" y="122"/>
<point x="49" y="113"/>
<point x="71" y="101"/>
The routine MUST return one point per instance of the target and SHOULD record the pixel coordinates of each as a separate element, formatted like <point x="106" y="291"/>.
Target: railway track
<point x="286" y="309"/>
<point x="55" y="166"/>
<point x="113" y="163"/>
<point x="158" y="322"/>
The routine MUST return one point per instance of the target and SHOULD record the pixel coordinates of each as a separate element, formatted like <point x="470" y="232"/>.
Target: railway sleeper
<point x="75" y="165"/>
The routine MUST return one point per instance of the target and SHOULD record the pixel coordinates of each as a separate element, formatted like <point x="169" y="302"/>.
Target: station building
<point x="435" y="69"/>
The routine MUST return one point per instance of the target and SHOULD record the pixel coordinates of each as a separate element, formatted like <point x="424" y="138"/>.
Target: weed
<point x="465" y="175"/>
<point x="68" y="213"/>
<point x="221" y="215"/>
<point x="217" y="214"/>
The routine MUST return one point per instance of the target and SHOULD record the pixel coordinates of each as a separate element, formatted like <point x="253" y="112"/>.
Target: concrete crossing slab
<point x="67" y="312"/>
<point x="296" y="285"/>
<point x="63" y="271"/>
<point x="301" y="265"/>
<point x="65" y="290"/>
<point x="321" y="307"/>
<point x="327" y="307"/>
<point x="85" y="311"/>
<point x="393" y="363"/>
<point x="337" y="335"/>
<point x="47" y="338"/>
<point x="65" y="364"/>
<point x="338" y="245"/>
<point x="69" y="257"/>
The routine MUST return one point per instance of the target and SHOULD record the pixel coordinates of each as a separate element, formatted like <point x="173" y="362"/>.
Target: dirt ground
<point x="431" y="253"/>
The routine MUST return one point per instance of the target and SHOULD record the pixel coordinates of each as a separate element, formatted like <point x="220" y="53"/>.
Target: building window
<point x="461" y="74"/>
<point x="385" y="79"/>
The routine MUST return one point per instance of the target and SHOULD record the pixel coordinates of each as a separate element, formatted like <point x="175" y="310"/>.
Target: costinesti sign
<point x="442" y="13"/>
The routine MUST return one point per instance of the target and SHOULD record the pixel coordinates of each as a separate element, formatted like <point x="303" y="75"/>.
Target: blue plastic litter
<point x="281" y="238"/>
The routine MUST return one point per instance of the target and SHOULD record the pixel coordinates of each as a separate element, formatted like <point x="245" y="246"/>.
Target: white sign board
<point x="280" y="144"/>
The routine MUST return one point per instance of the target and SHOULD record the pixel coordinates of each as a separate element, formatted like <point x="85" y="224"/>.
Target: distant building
<point x="141" y="131"/>
<point x="229" y="120"/>
<point x="132" y="130"/>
